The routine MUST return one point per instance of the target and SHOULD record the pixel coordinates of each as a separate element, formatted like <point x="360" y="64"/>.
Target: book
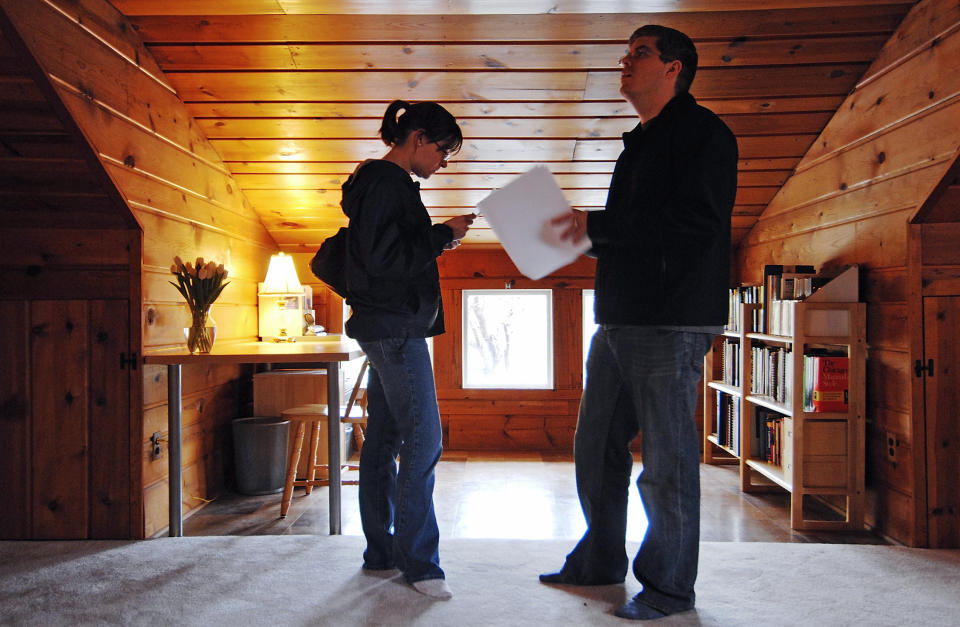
<point x="826" y="383"/>
<point x="777" y="278"/>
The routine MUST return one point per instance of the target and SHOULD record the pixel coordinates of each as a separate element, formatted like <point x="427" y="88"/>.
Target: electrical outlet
<point x="892" y="444"/>
<point x="155" y="441"/>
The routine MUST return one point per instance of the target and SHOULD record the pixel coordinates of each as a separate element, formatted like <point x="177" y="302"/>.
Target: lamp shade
<point x="281" y="276"/>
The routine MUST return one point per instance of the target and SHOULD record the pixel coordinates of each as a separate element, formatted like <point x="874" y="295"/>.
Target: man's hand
<point x="573" y="225"/>
<point x="460" y="225"/>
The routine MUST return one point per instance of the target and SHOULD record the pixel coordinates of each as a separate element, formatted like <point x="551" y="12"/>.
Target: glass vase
<point x="201" y="333"/>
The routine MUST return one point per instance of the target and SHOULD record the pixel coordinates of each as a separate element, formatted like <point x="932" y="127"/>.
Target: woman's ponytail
<point x="390" y="130"/>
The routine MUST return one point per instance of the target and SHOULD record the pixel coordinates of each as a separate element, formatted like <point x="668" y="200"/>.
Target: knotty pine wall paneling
<point x="69" y="310"/>
<point x="849" y="201"/>
<point x="478" y="419"/>
<point x="182" y="195"/>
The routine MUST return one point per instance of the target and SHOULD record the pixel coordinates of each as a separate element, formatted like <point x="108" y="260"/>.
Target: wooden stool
<point x="314" y="415"/>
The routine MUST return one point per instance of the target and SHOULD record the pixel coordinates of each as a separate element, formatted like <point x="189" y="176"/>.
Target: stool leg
<point x="291" y="471"/>
<point x="312" y="461"/>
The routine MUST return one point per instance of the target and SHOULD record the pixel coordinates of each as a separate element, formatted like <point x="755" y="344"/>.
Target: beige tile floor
<point x="517" y="496"/>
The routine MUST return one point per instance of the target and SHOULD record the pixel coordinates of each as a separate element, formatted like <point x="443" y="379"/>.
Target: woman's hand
<point x="460" y="225"/>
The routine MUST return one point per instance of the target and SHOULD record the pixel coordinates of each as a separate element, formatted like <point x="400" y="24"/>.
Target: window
<point x="508" y="339"/>
<point x="589" y="328"/>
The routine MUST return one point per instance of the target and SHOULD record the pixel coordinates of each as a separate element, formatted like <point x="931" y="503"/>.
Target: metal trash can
<point x="260" y="454"/>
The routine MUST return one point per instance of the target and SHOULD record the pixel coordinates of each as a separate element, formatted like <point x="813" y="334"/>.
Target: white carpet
<point x="316" y="580"/>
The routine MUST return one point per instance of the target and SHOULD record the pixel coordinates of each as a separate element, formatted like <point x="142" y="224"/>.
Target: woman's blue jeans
<point x="396" y="507"/>
<point x="641" y="379"/>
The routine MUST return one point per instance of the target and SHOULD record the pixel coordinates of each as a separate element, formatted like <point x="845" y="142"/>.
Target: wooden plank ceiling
<point x="291" y="92"/>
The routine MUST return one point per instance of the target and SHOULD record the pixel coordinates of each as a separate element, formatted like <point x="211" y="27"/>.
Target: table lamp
<point x="282" y="301"/>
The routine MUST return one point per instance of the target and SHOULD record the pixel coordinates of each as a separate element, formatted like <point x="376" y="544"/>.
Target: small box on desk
<point x="277" y="390"/>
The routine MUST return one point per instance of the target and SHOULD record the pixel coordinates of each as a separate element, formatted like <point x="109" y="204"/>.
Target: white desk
<point x="326" y="354"/>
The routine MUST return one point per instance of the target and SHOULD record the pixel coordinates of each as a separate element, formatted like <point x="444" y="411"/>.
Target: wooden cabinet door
<point x="942" y="397"/>
<point x="65" y="419"/>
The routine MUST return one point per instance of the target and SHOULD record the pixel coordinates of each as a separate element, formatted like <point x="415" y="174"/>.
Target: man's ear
<point x="673" y="68"/>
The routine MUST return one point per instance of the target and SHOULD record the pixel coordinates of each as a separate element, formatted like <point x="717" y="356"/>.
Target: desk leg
<point x="333" y="440"/>
<point x="174" y="448"/>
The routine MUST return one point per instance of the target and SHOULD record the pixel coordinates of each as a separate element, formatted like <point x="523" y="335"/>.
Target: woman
<point x="394" y="292"/>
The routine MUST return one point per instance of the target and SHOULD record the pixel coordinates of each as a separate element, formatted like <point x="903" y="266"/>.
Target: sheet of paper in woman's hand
<point x="519" y="214"/>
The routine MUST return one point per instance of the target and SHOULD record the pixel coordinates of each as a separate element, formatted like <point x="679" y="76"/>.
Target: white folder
<point x="520" y="213"/>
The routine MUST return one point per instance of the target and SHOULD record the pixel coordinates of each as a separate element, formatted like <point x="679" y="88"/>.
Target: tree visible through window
<point x="508" y="339"/>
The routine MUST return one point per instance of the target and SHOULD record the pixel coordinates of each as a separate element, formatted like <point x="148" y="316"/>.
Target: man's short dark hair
<point x="673" y="46"/>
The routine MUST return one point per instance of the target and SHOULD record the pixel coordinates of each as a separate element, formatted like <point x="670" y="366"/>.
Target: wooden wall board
<point x="895" y="422"/>
<point x="147" y="193"/>
<point x="893" y="194"/>
<point x="194" y="377"/>
<point x="64" y="283"/>
<point x="235" y="322"/>
<point x="887" y="326"/>
<point x="167" y="236"/>
<point x="888" y="109"/>
<point x="207" y="415"/>
<point x="941" y="322"/>
<point x="112" y="492"/>
<point x="888" y="471"/>
<point x="55" y="247"/>
<point x="940" y="244"/>
<point x="16" y="499"/>
<point x="925" y="22"/>
<point x="119" y="142"/>
<point x="887" y="285"/>
<point x="60" y="420"/>
<point x="895" y="369"/>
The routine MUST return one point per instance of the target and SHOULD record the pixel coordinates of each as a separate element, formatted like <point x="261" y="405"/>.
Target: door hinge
<point x="130" y="360"/>
<point x="919" y="368"/>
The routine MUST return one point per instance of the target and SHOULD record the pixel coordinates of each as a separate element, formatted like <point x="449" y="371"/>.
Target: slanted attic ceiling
<point x="290" y="92"/>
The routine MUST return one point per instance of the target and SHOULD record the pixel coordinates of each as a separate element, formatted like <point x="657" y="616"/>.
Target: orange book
<point x="830" y="384"/>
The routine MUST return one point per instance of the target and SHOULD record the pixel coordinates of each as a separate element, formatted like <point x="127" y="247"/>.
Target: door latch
<point x="919" y="368"/>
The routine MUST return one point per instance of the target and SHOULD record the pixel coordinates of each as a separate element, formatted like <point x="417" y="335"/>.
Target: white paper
<point x="520" y="213"/>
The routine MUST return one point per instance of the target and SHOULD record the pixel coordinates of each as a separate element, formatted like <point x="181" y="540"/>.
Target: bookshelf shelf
<point x="772" y="339"/>
<point x="772" y="472"/>
<point x="716" y="442"/>
<point x="724" y="387"/>
<point x="769" y="403"/>
<point x="818" y="457"/>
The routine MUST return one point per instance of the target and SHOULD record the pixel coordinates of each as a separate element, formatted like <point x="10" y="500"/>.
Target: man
<point x="663" y="260"/>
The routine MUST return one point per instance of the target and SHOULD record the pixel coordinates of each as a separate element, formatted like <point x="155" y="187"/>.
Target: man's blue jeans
<point x="396" y="508"/>
<point x="641" y="379"/>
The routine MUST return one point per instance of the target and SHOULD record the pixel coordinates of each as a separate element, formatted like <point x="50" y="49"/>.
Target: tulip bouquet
<point x="200" y="285"/>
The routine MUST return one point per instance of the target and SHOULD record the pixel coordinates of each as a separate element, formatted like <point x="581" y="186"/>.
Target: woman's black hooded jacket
<point x="391" y="271"/>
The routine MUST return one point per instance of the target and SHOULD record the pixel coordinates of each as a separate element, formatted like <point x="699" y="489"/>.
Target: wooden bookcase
<point x="822" y="460"/>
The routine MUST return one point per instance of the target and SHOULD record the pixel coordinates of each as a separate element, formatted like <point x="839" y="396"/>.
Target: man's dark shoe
<point x="635" y="610"/>
<point x="554" y="578"/>
<point x="567" y="579"/>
